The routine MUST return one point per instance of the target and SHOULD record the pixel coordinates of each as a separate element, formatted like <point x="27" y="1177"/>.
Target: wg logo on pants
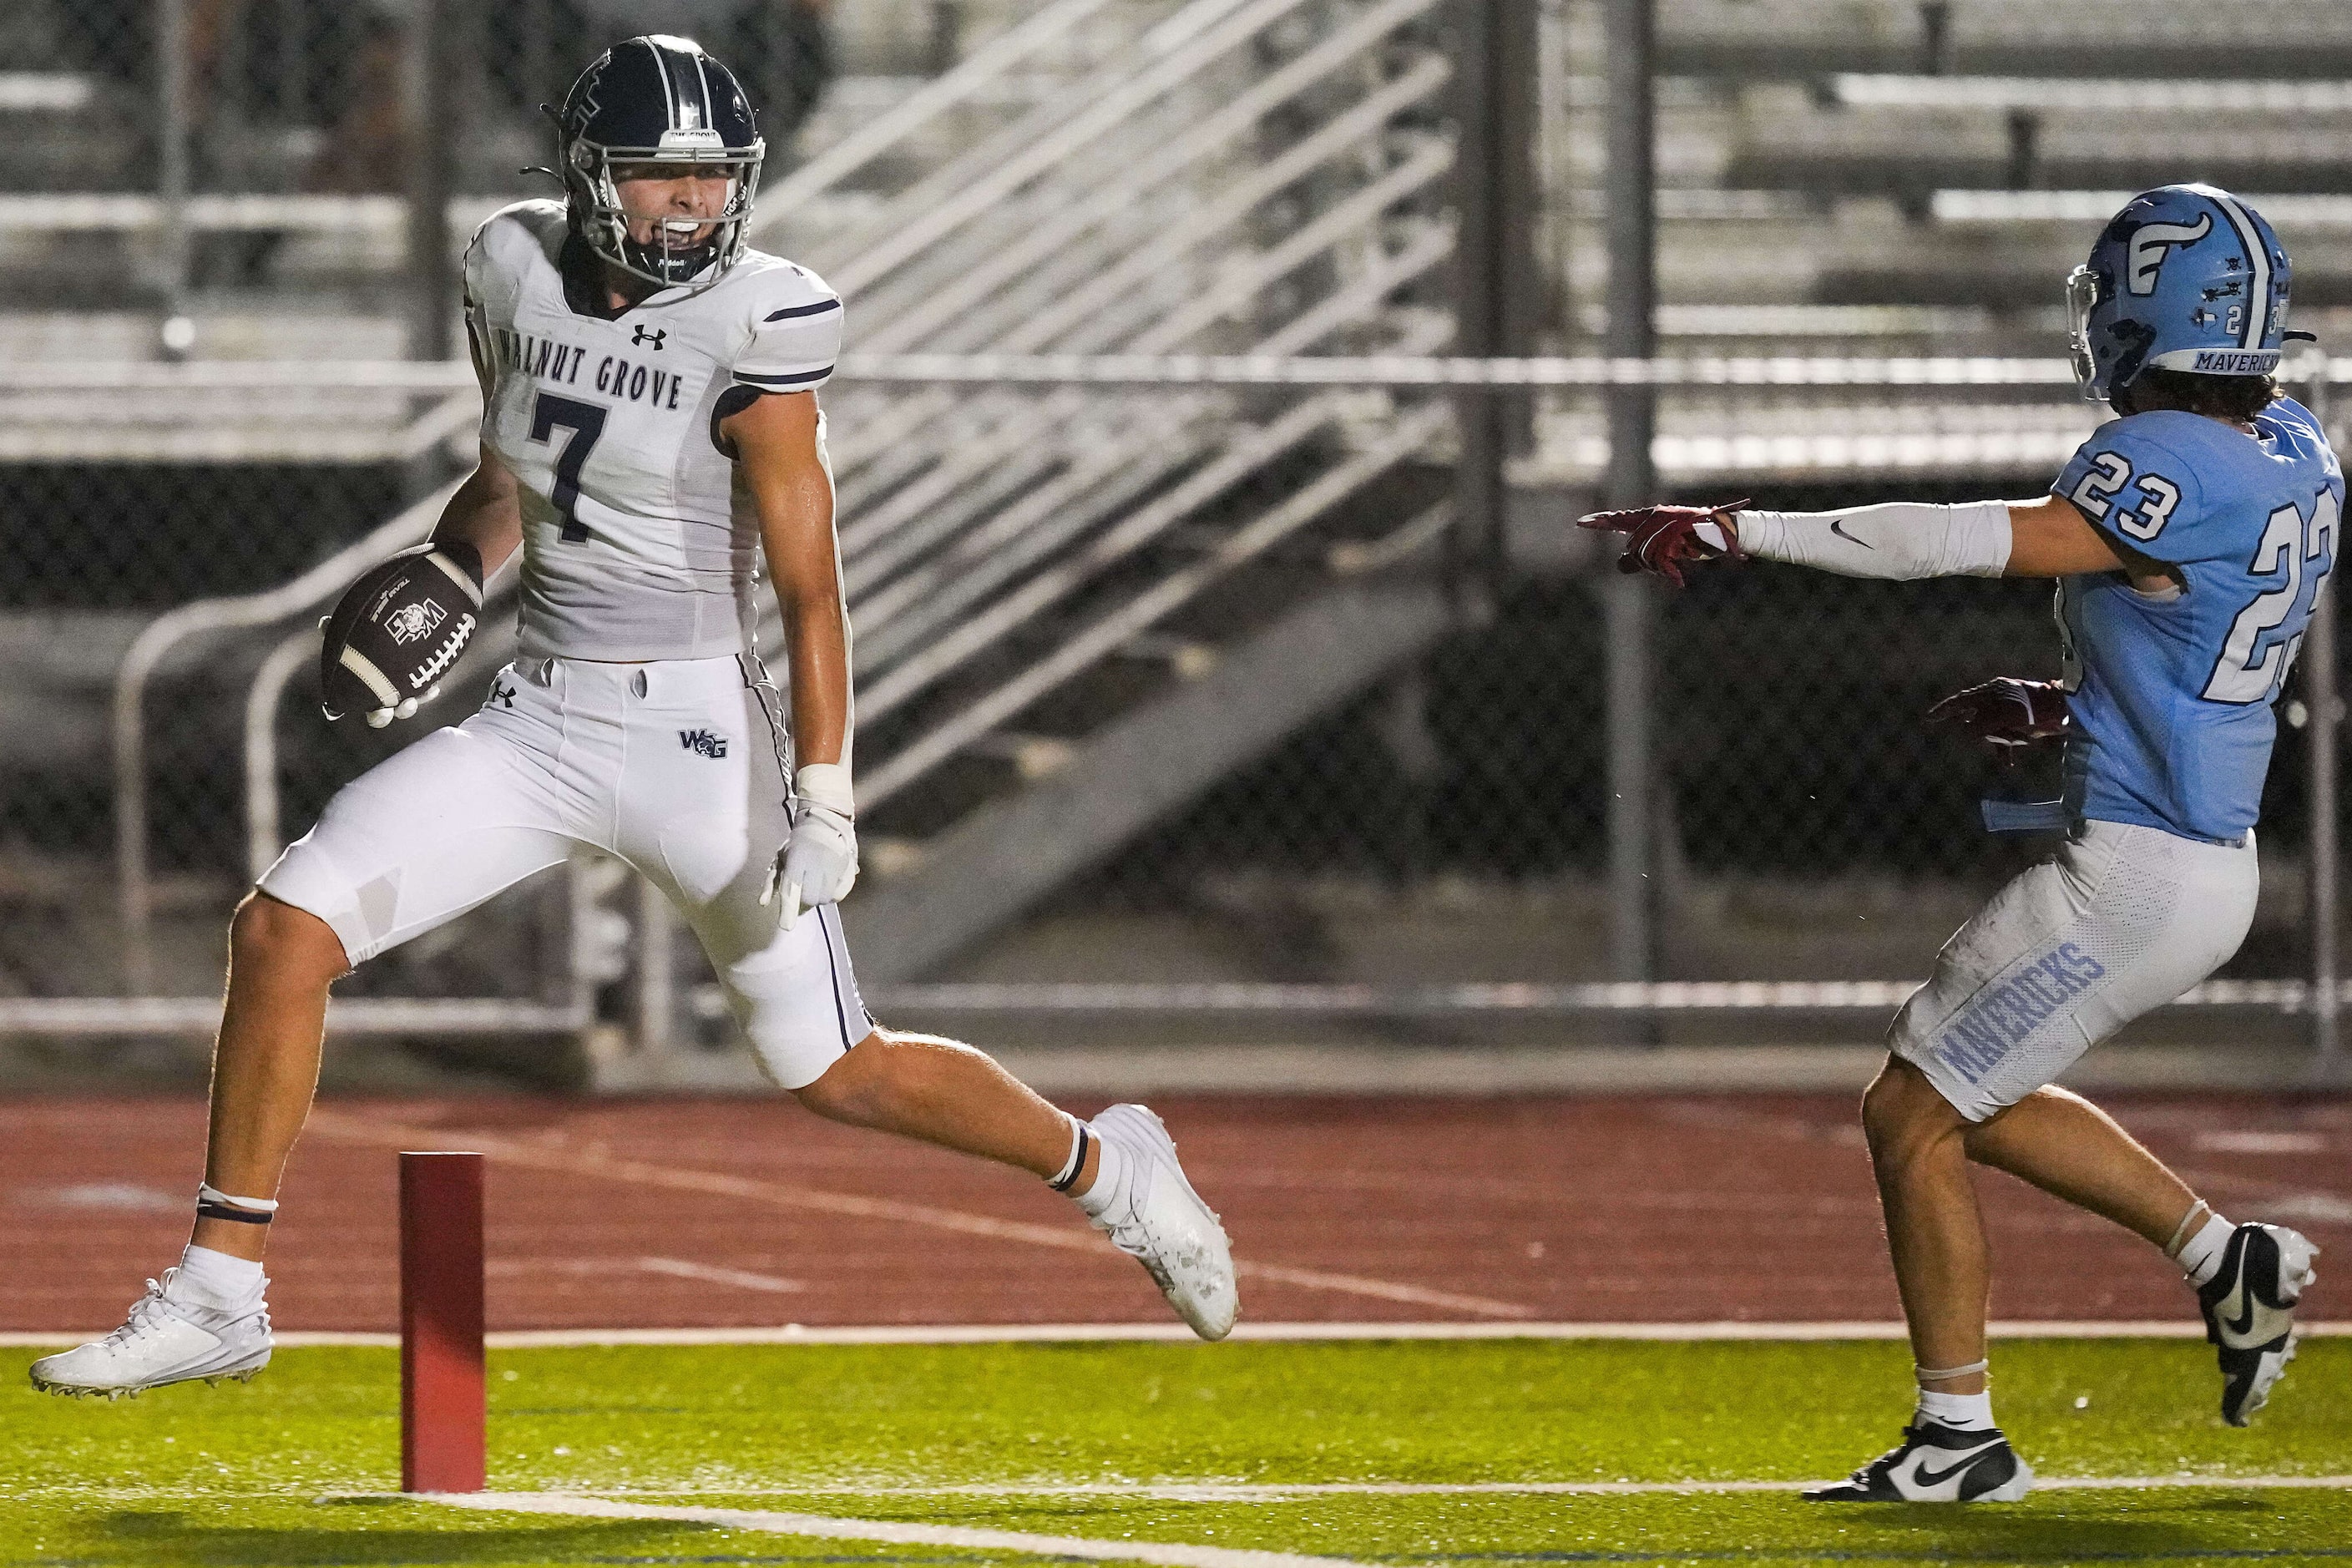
<point x="704" y="741"/>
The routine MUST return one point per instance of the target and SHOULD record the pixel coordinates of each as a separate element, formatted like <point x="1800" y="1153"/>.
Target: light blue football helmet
<point x="2185" y="277"/>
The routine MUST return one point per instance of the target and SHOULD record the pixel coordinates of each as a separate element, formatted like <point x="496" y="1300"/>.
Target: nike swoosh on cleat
<point x="2237" y="1329"/>
<point x="1924" y="1476"/>
<point x="1837" y="526"/>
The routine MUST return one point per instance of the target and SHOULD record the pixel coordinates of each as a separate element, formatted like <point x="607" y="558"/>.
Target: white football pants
<point x="2122" y="920"/>
<point x="673" y="767"/>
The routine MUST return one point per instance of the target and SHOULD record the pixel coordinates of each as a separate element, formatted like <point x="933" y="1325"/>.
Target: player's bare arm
<point x="776" y="446"/>
<point x="778" y="442"/>
<point x="404" y="624"/>
<point x="486" y="513"/>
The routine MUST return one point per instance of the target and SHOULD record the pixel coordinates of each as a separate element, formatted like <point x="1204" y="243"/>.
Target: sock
<point x="1965" y="1412"/>
<point x="209" y="1279"/>
<point x="2200" y="1256"/>
<point x="1109" y="1190"/>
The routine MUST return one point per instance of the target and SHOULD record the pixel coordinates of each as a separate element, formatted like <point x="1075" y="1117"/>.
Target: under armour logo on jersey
<point x="2152" y="242"/>
<point x="703" y="742"/>
<point x="500" y="692"/>
<point x="655" y="337"/>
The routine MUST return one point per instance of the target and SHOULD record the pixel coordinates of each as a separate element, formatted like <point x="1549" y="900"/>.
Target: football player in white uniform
<point x="650" y="426"/>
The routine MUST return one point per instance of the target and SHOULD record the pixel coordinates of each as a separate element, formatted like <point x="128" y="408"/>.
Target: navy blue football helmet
<point x="2186" y="277"/>
<point x="658" y="99"/>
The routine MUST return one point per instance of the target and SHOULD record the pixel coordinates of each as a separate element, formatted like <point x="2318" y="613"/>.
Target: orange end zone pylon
<point x="441" y="1398"/>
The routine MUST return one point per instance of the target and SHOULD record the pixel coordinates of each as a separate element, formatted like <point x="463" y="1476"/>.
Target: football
<point x="398" y="630"/>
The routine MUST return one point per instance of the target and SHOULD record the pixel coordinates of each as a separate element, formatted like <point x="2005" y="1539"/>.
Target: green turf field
<point x="1098" y="1441"/>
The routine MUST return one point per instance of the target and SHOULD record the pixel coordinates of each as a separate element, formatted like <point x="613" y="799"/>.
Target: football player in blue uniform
<point x="2190" y="537"/>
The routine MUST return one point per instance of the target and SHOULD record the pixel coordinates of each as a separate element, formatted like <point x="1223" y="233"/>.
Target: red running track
<point x="677" y="1213"/>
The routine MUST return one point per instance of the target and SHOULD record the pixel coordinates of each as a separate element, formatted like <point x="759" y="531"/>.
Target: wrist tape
<point x="826" y="784"/>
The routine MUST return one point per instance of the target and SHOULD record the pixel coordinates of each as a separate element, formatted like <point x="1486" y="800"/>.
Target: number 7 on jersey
<point x="585" y="423"/>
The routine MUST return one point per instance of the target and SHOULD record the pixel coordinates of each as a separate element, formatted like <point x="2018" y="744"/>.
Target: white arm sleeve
<point x="1899" y="541"/>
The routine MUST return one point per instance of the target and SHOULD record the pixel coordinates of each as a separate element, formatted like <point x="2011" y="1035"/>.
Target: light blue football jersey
<point x="2172" y="694"/>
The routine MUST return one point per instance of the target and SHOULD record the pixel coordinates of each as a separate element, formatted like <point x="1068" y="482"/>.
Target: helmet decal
<point x="2152" y="242"/>
<point x="2185" y="277"/>
<point x="2258" y="288"/>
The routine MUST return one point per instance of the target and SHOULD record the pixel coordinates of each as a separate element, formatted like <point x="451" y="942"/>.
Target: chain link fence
<point x="1435" y="812"/>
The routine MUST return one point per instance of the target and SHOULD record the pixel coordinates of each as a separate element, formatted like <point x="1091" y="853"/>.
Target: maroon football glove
<point x="1660" y="540"/>
<point x="2010" y="715"/>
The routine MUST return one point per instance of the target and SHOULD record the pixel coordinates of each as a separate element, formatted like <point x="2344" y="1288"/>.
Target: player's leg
<point x="264" y="1066"/>
<point x="2168" y="912"/>
<point x="2060" y="1143"/>
<point x="1920" y="1150"/>
<point x="1120" y="1168"/>
<point x="423" y="836"/>
<point x="945" y="1092"/>
<point x="1933" y="1229"/>
<point x="2249" y="1278"/>
<point x="2121" y="920"/>
<point x="703" y="814"/>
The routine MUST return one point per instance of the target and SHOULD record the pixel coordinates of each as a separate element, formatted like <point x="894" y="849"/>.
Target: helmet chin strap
<point x="674" y="266"/>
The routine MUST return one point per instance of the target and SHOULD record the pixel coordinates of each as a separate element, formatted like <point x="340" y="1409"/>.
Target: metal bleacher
<point x="958" y="558"/>
<point x="1066" y="599"/>
<point x="1050" y="588"/>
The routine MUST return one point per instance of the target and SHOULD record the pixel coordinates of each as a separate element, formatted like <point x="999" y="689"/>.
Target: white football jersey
<point x="638" y="543"/>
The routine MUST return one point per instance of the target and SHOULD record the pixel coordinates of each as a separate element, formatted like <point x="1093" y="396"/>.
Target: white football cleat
<point x="1164" y="1224"/>
<point x="164" y="1341"/>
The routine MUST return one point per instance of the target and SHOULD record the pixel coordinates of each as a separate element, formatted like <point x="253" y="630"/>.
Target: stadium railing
<point x="946" y="734"/>
<point x="970" y="601"/>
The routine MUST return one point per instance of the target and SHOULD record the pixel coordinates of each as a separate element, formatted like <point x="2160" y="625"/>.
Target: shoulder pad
<point x="538" y="217"/>
<point x="768" y="284"/>
<point x="514" y="232"/>
<point x="2168" y="429"/>
<point x="792" y="325"/>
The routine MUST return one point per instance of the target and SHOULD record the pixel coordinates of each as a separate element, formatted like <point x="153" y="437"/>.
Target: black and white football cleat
<point x="1937" y="1463"/>
<point x="2249" y="1310"/>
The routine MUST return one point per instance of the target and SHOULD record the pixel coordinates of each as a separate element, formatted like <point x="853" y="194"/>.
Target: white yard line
<point x="1308" y="1492"/>
<point x="1175" y="1554"/>
<point x="1077" y="1333"/>
<point x="676" y="1267"/>
<point x="824" y="1527"/>
<point x="1207" y="1492"/>
<point x="597" y="1162"/>
<point x="742" y="1279"/>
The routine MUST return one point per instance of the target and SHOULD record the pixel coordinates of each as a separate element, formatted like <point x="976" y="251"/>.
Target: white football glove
<point x="818" y="864"/>
<point x="378" y="718"/>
